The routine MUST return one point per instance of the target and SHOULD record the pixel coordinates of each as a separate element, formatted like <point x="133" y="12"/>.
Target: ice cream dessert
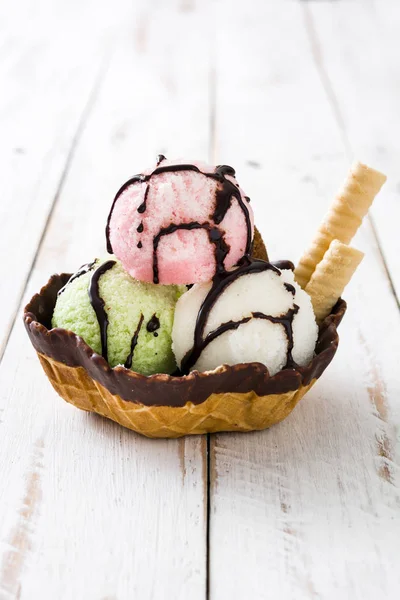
<point x="250" y="337"/>
<point x="127" y="321"/>
<point x="255" y="312"/>
<point x="174" y="223"/>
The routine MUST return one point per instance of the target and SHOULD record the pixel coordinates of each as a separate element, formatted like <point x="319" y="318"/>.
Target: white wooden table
<point x="288" y="92"/>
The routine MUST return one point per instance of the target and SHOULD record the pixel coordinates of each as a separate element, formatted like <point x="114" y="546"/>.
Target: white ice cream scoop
<point x="255" y="313"/>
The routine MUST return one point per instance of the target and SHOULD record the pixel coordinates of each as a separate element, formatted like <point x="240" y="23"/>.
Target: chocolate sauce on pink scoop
<point x="226" y="190"/>
<point x="153" y="325"/>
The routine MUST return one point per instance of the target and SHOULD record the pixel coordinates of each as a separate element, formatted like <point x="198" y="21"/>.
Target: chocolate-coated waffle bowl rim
<point x="167" y="390"/>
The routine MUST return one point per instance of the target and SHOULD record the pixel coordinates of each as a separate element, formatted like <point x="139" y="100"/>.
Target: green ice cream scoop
<point x="129" y="322"/>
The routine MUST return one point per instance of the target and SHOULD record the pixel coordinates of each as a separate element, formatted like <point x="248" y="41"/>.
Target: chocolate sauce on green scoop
<point x="128" y="362"/>
<point x="153" y="324"/>
<point x="81" y="271"/>
<point x="97" y="303"/>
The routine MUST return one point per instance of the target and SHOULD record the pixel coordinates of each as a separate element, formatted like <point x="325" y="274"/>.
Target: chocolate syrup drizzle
<point x="216" y="237"/>
<point x="223" y="199"/>
<point x="97" y="303"/>
<point x="221" y="281"/>
<point x="153" y="324"/>
<point x="283" y="265"/>
<point x="142" y="207"/>
<point x="286" y="321"/>
<point x="81" y="271"/>
<point x="128" y="362"/>
<point x="290" y="288"/>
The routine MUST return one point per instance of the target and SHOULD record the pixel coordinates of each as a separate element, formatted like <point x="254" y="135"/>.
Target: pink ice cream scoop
<point x="180" y="223"/>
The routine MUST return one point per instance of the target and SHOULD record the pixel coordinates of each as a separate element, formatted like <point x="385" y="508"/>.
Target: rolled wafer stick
<point x="331" y="276"/>
<point x="343" y="218"/>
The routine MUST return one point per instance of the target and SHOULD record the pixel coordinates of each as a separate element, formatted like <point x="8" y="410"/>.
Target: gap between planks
<point x="212" y="159"/>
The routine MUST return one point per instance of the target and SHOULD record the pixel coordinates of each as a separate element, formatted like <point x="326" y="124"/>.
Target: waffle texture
<point x="343" y="219"/>
<point x="220" y="412"/>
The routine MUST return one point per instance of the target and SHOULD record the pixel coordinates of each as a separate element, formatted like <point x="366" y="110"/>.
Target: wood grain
<point x="48" y="85"/>
<point x="287" y="93"/>
<point x="306" y="509"/>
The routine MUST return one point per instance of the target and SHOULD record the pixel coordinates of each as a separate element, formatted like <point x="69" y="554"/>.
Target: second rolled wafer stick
<point x="343" y="218"/>
<point x="331" y="276"/>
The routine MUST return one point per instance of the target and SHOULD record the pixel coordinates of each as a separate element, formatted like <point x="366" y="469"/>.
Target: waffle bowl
<point x="243" y="397"/>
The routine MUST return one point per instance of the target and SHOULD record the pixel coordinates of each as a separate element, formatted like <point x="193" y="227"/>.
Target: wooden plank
<point x="362" y="73"/>
<point x="306" y="509"/>
<point x="89" y="510"/>
<point x="47" y="85"/>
